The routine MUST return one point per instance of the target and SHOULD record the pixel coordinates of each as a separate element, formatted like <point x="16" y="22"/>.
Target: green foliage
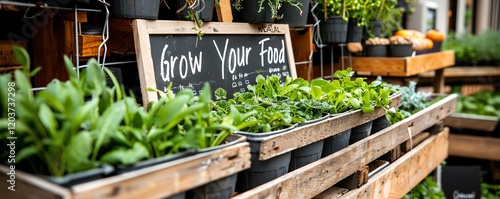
<point x="333" y="8"/>
<point x="472" y="50"/>
<point x="481" y="103"/>
<point x="427" y="189"/>
<point x="490" y="191"/>
<point x="274" y="6"/>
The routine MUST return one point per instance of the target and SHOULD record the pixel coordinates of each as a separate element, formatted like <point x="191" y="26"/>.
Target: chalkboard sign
<point x="228" y="55"/>
<point x="461" y="182"/>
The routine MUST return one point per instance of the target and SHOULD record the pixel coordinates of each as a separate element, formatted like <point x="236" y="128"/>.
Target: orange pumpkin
<point x="428" y="43"/>
<point x="435" y="35"/>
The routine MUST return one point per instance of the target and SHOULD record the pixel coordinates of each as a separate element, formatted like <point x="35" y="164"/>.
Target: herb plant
<point x="274" y="6"/>
<point x="481" y="103"/>
<point x="427" y="189"/>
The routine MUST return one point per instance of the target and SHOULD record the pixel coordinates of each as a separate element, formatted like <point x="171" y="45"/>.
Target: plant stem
<point x="380" y="10"/>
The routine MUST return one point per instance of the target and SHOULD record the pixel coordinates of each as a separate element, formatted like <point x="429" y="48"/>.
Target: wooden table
<point x="404" y="68"/>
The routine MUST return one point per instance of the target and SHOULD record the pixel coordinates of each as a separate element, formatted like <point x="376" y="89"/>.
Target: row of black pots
<point x="138" y="9"/>
<point x="335" y="30"/>
<point x="393" y="50"/>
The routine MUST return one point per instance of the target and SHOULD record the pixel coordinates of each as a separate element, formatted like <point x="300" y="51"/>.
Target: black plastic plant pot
<point x="292" y="16"/>
<point x="119" y="169"/>
<point x="376" y="50"/>
<point x="379" y="124"/>
<point x="305" y="155"/>
<point x="261" y="172"/>
<point x="354" y="32"/>
<point x="249" y="13"/>
<point x="81" y="177"/>
<point x="335" y="31"/>
<point x="376" y="27"/>
<point x="437" y="46"/>
<point x="181" y="195"/>
<point x="220" y="189"/>
<point x="360" y="132"/>
<point x="336" y="143"/>
<point x="135" y="9"/>
<point x="400" y="50"/>
<point x="204" y="10"/>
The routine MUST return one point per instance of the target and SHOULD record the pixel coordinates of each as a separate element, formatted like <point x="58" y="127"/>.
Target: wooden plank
<point x="355" y="180"/>
<point x="479" y="147"/>
<point x="333" y="192"/>
<point x="89" y="45"/>
<point x="171" y="178"/>
<point x="275" y="145"/>
<point x="404" y="66"/>
<point x="224" y="13"/>
<point x="439" y="81"/>
<point x="70" y="16"/>
<point x="143" y="51"/>
<point x="400" y="177"/>
<point x="314" y="178"/>
<point x="302" y="51"/>
<point x="30" y="187"/>
<point x="471" y="121"/>
<point x="473" y="71"/>
<point x="416" y="140"/>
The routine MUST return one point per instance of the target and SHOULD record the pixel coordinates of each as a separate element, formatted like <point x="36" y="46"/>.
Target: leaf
<point x="49" y="121"/>
<point x="316" y="92"/>
<point x="367" y="109"/>
<point x="220" y="93"/>
<point x="108" y="123"/>
<point x="70" y="67"/>
<point x="375" y="83"/>
<point x="355" y="103"/>
<point x="22" y="57"/>
<point x="26" y="152"/>
<point x="77" y="152"/>
<point x="126" y="156"/>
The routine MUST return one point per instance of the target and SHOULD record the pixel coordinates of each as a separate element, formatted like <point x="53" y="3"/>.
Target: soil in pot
<point x="249" y="13"/>
<point x="336" y="143"/>
<point x="305" y="155"/>
<point x="360" y="132"/>
<point x="292" y="16"/>
<point x="334" y="30"/>
<point x="135" y="9"/>
<point x="354" y="32"/>
<point x="400" y="50"/>
<point x="376" y="50"/>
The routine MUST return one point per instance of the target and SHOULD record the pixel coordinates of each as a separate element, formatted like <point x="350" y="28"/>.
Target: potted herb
<point x="334" y="27"/>
<point x="263" y="11"/>
<point x="381" y="15"/>
<point x="197" y="11"/>
<point x="293" y="16"/>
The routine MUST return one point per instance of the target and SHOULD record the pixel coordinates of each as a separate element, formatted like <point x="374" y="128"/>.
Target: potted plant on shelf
<point x="381" y="17"/>
<point x="376" y="47"/>
<point x="135" y="9"/>
<point x="334" y="27"/>
<point x="263" y="11"/>
<point x="292" y="16"/>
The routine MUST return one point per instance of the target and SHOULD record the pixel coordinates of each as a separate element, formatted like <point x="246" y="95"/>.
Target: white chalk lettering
<point x="185" y="63"/>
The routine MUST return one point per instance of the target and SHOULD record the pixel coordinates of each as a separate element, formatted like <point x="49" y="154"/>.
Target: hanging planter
<point x="293" y="16"/>
<point x="135" y="9"/>
<point x="203" y="10"/>
<point x="354" y="32"/>
<point x="250" y="12"/>
<point x="334" y="30"/>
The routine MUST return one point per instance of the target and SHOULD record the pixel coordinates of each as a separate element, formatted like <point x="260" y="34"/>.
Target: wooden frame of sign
<point x="228" y="55"/>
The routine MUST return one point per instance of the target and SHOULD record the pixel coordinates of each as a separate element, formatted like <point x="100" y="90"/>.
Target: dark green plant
<point x="274" y="6"/>
<point x="471" y="50"/>
<point x="481" y="103"/>
<point x="490" y="191"/>
<point x="427" y="189"/>
<point x="332" y="8"/>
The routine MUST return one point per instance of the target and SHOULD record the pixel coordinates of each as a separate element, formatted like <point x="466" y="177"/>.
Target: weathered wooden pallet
<point x="152" y="182"/>
<point x="479" y="147"/>
<point x="471" y="121"/>
<point x="402" y="66"/>
<point x="401" y="176"/>
<point x="314" y="178"/>
<point x="275" y="145"/>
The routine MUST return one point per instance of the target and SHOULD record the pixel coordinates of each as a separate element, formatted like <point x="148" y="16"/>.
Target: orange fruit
<point x="428" y="43"/>
<point x="435" y="35"/>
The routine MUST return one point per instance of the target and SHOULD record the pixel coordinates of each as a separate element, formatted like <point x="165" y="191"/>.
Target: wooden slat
<point x="473" y="71"/>
<point x="314" y="178"/>
<point x="224" y="13"/>
<point x="89" y="45"/>
<point x="479" y="147"/>
<point x="157" y="181"/>
<point x="404" y="66"/>
<point x="400" y="177"/>
<point x="471" y="121"/>
<point x="439" y="81"/>
<point x="273" y="146"/>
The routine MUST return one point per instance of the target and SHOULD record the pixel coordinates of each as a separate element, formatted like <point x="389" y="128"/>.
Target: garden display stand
<point x="313" y="179"/>
<point x="404" y="67"/>
<point x="163" y="180"/>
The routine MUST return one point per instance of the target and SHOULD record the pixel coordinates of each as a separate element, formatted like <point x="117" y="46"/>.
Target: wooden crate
<point x="7" y="54"/>
<point x="88" y="45"/>
<point x="401" y="176"/>
<point x="478" y="147"/>
<point x="402" y="66"/>
<point x="282" y="143"/>
<point x="471" y="121"/>
<point x="314" y="178"/>
<point x="152" y="182"/>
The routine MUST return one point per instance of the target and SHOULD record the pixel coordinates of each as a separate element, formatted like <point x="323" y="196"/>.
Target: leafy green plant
<point x="332" y="8"/>
<point x="427" y="189"/>
<point x="474" y="50"/>
<point x="490" y="191"/>
<point x="274" y="6"/>
<point x="481" y="103"/>
<point x="384" y="11"/>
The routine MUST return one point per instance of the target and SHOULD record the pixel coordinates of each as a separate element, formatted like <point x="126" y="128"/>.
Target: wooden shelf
<point x="472" y="71"/>
<point x="152" y="182"/>
<point x="471" y="121"/>
<point x="275" y="145"/>
<point x="401" y="176"/>
<point x="314" y="178"/>
<point x="402" y="67"/>
<point x="478" y="147"/>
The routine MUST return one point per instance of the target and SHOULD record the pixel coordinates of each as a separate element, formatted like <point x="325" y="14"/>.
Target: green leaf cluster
<point x="427" y="189"/>
<point x="490" y="191"/>
<point x="475" y="50"/>
<point x="481" y="103"/>
<point x="276" y="105"/>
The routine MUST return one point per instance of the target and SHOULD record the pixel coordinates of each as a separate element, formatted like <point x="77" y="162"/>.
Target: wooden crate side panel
<point x="379" y="66"/>
<point x="302" y="136"/>
<point x="312" y="179"/>
<point x="400" y="177"/>
<point x="470" y="121"/>
<point x="168" y="179"/>
<point x="479" y="147"/>
<point x="432" y="61"/>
